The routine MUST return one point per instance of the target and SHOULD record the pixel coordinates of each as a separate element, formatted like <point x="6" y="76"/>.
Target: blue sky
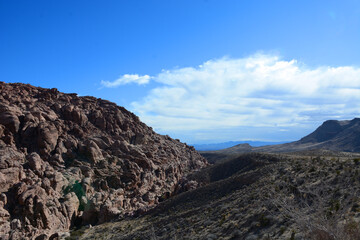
<point x="202" y="71"/>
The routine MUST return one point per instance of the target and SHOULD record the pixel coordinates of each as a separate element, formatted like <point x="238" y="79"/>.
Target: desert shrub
<point x="264" y="221"/>
<point x="292" y="237"/>
<point x="282" y="230"/>
<point x="356" y="161"/>
<point x="352" y="229"/>
<point x="319" y="211"/>
<point x="79" y="191"/>
<point x="319" y="234"/>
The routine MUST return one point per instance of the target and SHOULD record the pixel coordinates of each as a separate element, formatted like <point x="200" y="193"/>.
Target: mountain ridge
<point x="333" y="135"/>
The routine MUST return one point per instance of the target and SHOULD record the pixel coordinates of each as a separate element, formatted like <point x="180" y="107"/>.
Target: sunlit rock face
<point x="67" y="160"/>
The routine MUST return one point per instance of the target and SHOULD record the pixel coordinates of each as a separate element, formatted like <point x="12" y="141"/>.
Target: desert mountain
<point x="67" y="160"/>
<point x="336" y="135"/>
<point x="333" y="135"/>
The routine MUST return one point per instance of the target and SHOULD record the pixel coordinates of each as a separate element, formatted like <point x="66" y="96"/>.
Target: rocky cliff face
<point x="68" y="160"/>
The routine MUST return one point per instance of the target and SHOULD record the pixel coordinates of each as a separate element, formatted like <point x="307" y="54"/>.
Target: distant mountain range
<point x="332" y="135"/>
<point x="223" y="145"/>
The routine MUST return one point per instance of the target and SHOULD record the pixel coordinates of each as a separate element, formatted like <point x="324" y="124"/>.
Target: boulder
<point x="10" y="121"/>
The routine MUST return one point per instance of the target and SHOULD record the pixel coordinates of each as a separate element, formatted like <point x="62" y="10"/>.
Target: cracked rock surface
<point x="67" y="160"/>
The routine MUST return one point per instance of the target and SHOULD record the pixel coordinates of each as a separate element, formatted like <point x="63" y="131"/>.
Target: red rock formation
<point x="68" y="160"/>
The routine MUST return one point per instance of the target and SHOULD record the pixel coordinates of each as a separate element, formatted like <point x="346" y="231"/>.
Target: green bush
<point x="79" y="191"/>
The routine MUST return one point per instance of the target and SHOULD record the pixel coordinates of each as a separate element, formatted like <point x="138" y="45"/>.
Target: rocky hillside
<point x="67" y="160"/>
<point x="255" y="196"/>
<point x="342" y="136"/>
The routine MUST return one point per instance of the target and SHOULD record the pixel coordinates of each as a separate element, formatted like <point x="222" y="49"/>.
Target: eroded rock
<point x="67" y="160"/>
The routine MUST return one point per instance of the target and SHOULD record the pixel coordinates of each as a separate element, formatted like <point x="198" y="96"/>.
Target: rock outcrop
<point x="67" y="160"/>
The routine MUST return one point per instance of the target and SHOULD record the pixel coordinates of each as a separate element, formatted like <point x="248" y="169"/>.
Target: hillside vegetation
<point x="255" y="196"/>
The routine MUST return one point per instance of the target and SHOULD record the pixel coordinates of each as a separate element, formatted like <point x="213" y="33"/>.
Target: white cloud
<point x="126" y="79"/>
<point x="257" y="91"/>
